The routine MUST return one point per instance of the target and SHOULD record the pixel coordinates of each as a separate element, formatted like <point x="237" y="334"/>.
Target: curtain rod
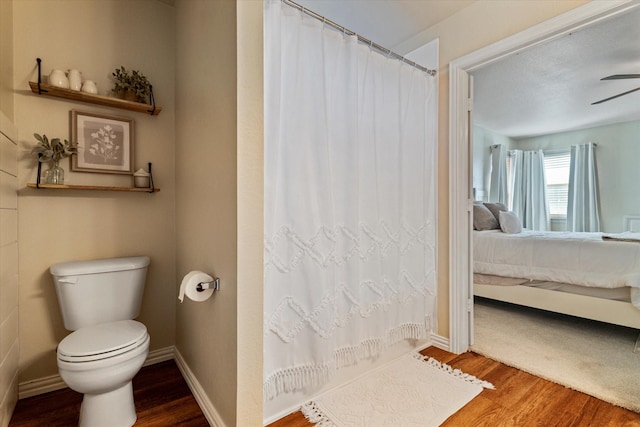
<point x="362" y="39"/>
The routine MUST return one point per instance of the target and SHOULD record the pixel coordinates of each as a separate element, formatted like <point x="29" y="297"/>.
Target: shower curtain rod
<point x="362" y="39"/>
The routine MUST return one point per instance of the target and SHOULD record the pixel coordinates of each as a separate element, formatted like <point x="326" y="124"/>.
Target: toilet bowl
<point x="98" y="301"/>
<point x="100" y="361"/>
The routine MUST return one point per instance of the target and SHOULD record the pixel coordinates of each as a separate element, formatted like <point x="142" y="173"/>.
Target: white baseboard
<point x="440" y="342"/>
<point x="40" y="386"/>
<point x="160" y="355"/>
<point x="54" y="382"/>
<point x="201" y="397"/>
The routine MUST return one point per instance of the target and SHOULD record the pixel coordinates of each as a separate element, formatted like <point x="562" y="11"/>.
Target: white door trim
<point x="460" y="259"/>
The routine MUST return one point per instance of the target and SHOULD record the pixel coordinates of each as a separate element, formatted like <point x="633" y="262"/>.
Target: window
<point x="556" y="171"/>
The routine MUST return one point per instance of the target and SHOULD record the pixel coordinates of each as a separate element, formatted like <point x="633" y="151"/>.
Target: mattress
<point x="583" y="259"/>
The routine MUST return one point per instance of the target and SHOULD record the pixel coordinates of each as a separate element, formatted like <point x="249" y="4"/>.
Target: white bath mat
<point x="409" y="391"/>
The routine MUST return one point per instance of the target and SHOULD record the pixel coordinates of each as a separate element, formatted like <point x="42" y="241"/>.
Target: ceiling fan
<point x="618" y="77"/>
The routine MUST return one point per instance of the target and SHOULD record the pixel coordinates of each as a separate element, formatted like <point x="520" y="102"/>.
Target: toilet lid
<point x="102" y="341"/>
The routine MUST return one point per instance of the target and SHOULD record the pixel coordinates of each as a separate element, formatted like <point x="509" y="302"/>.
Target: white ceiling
<point x="545" y="89"/>
<point x="549" y="88"/>
<point x="386" y="22"/>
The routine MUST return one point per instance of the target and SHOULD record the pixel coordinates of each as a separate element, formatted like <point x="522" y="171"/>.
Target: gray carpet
<point x="592" y="357"/>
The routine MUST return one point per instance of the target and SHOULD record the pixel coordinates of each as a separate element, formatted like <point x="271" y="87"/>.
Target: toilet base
<point x="112" y="409"/>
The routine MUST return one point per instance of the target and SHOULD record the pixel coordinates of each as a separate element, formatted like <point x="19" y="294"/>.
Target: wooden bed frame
<point x="603" y="310"/>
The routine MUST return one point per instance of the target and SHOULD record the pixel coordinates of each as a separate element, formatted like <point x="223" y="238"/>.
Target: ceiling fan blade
<point x="621" y="77"/>
<point x="615" y="96"/>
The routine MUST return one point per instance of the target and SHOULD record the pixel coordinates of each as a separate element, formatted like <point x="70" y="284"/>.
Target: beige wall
<point x="9" y="316"/>
<point x="250" y="208"/>
<point x="94" y="36"/>
<point x="6" y="58"/>
<point x="9" y="343"/>
<point x="481" y="24"/>
<point x="206" y="210"/>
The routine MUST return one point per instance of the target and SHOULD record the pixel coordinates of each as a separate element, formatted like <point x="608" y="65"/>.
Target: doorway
<point x="460" y="154"/>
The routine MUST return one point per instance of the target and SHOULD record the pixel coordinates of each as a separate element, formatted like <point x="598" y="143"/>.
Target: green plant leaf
<point x="55" y="149"/>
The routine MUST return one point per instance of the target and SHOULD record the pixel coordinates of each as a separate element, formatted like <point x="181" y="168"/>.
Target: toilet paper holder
<point x="214" y="284"/>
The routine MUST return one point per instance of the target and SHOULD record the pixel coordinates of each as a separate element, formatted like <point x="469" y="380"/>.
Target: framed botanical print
<point x="105" y="143"/>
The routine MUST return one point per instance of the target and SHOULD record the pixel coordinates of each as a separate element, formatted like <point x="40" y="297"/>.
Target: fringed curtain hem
<point x="305" y="376"/>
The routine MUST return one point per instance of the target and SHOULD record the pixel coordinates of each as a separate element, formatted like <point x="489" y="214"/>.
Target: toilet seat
<point x="102" y="341"/>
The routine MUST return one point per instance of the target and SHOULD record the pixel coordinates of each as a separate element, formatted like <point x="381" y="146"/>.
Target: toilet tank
<point x="99" y="291"/>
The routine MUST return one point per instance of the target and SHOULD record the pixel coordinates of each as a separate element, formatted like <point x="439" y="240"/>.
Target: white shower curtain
<point x="350" y="248"/>
<point x="583" y="207"/>
<point x="528" y="189"/>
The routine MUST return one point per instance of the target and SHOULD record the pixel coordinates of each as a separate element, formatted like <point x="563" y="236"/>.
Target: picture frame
<point x="105" y="143"/>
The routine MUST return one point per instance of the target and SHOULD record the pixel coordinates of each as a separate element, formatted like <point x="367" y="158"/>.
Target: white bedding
<point x="578" y="258"/>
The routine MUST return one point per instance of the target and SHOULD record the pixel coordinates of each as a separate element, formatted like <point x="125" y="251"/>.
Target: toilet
<point x="99" y="300"/>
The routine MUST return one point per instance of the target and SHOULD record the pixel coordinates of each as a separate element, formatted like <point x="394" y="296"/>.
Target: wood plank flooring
<point x="163" y="399"/>
<point x="520" y="399"/>
<point x="161" y="395"/>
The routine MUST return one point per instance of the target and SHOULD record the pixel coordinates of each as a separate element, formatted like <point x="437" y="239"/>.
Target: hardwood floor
<point x="161" y="395"/>
<point x="520" y="399"/>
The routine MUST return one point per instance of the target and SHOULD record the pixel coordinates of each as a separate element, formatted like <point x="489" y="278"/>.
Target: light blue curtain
<point x="528" y="189"/>
<point x="498" y="179"/>
<point x="583" y="207"/>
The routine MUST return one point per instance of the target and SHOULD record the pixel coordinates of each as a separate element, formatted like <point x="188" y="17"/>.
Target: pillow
<point x="510" y="223"/>
<point x="496" y="208"/>
<point x="483" y="219"/>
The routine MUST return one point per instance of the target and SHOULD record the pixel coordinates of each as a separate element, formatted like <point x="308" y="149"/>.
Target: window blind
<point x="556" y="170"/>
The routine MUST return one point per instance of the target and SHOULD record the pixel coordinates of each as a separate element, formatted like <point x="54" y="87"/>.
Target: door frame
<point x="460" y="155"/>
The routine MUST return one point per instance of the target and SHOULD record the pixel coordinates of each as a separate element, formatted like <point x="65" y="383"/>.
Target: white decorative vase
<point x="89" y="86"/>
<point x="75" y="80"/>
<point x="57" y="78"/>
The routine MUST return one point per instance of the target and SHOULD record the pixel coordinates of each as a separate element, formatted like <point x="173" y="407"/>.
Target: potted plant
<point x="132" y="86"/>
<point x="53" y="151"/>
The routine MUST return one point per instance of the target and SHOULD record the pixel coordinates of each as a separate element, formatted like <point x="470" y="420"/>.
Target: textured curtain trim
<point x="455" y="372"/>
<point x="310" y="375"/>
<point x="313" y="414"/>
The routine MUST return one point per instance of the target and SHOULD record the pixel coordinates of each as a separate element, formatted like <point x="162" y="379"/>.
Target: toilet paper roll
<point x="189" y="286"/>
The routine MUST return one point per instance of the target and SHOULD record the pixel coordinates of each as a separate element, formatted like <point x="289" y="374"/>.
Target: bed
<point x="590" y="275"/>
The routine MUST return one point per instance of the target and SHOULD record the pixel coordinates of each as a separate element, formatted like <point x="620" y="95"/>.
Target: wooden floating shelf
<point x="74" y="95"/>
<point x="91" y="187"/>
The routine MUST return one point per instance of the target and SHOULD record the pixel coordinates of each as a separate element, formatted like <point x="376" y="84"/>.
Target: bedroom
<point x="552" y="86"/>
<point x="563" y="74"/>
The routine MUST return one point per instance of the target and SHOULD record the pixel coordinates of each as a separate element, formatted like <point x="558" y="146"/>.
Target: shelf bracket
<point x="152" y="189"/>
<point x="39" y="171"/>
<point x="39" y="61"/>
<point x="152" y="100"/>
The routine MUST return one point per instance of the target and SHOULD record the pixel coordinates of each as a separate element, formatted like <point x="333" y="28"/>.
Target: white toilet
<point x="99" y="300"/>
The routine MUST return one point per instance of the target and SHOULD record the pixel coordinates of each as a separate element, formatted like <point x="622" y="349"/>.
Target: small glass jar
<point x="55" y="174"/>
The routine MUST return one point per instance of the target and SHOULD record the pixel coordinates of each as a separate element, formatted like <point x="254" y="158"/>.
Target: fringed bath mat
<point x="410" y="391"/>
